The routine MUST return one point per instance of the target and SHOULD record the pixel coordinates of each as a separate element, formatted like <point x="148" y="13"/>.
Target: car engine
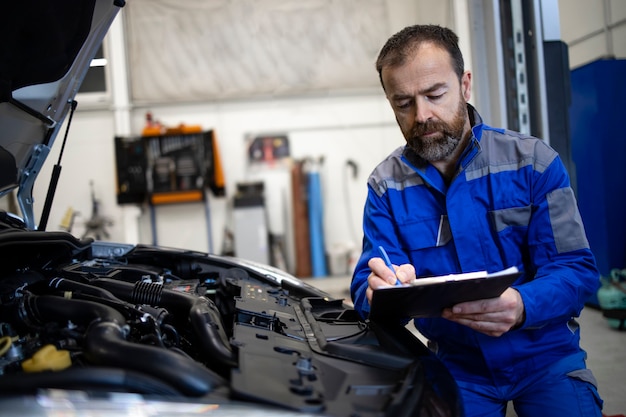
<point x="97" y="316"/>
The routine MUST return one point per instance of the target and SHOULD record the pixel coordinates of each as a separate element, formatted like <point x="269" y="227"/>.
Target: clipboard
<point x="427" y="297"/>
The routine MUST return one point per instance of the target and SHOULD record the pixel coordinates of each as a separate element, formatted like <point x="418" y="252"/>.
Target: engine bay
<point x="97" y="316"/>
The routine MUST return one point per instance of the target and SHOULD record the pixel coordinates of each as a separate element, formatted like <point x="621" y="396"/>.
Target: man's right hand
<point x="381" y="276"/>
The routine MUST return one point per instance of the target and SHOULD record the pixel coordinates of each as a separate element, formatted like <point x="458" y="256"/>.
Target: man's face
<point x="429" y="102"/>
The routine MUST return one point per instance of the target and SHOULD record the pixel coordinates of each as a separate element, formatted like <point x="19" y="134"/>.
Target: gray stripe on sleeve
<point x="567" y="224"/>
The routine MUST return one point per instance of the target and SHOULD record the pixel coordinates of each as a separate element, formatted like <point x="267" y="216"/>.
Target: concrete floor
<point x="605" y="346"/>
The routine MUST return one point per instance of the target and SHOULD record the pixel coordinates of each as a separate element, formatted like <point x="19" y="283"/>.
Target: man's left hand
<point x="493" y="317"/>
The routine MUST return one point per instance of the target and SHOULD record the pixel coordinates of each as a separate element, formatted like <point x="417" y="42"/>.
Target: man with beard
<point x="462" y="196"/>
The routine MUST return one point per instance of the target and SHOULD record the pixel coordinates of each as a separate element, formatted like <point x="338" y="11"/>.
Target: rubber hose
<point x="68" y="285"/>
<point x="105" y="345"/>
<point x="202" y="312"/>
<point x="47" y="308"/>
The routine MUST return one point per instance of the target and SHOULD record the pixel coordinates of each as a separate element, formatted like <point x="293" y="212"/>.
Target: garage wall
<point x="593" y="29"/>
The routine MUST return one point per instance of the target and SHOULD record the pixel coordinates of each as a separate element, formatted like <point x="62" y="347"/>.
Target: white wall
<point x="88" y="156"/>
<point x="593" y="29"/>
<point x="337" y="128"/>
<point x="360" y="128"/>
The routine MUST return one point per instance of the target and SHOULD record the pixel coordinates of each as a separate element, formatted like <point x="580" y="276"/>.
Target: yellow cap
<point x="48" y="358"/>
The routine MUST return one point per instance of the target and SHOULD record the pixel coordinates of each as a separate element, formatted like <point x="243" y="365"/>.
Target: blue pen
<point x="385" y="257"/>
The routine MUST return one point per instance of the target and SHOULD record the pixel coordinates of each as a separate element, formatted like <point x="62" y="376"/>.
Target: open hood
<point x="46" y="50"/>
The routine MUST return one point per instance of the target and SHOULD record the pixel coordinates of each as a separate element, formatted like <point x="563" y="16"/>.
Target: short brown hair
<point x="403" y="43"/>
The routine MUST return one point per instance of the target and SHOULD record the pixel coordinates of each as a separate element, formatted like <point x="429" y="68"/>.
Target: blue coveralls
<point x="510" y="204"/>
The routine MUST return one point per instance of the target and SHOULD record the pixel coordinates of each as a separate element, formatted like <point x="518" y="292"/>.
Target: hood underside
<point x="46" y="50"/>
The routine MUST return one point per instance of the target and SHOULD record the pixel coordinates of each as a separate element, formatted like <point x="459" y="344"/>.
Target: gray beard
<point x="435" y="150"/>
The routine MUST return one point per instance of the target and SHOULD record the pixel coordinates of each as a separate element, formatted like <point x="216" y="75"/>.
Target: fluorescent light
<point x="98" y="62"/>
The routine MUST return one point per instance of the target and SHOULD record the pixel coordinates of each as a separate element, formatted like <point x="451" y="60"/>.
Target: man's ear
<point x="466" y="85"/>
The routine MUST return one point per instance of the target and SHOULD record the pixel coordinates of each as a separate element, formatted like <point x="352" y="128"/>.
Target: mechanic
<point x="462" y="196"/>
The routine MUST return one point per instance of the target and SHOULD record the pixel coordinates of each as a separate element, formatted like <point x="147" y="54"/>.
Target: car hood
<point x="46" y="50"/>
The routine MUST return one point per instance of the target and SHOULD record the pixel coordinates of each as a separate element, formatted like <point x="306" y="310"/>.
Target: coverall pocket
<point x="510" y="227"/>
<point x="425" y="233"/>
<point x="589" y="399"/>
<point x="510" y="217"/>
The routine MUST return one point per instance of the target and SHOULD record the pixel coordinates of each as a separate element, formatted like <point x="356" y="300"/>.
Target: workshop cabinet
<point x="599" y="152"/>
